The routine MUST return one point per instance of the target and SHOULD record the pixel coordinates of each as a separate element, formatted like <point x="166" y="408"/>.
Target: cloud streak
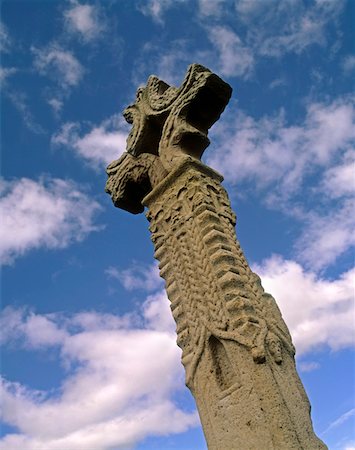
<point x="20" y="102"/>
<point x="340" y="420"/>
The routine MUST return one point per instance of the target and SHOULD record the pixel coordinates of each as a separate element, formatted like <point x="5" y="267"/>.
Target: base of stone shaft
<point x="237" y="351"/>
<point x="266" y="408"/>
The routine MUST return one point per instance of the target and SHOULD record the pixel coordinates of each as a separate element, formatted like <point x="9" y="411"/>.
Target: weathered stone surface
<point x="168" y="123"/>
<point x="236" y="348"/>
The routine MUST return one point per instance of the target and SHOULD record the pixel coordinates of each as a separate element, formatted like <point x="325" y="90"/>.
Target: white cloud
<point x="318" y="312"/>
<point x="339" y="180"/>
<point x="48" y="213"/>
<point x="99" y="146"/>
<point x="138" y="276"/>
<point x="269" y="151"/>
<point x="59" y="64"/>
<point x="235" y="59"/>
<point x="39" y="330"/>
<point x="92" y="321"/>
<point x="84" y="20"/>
<point x="157" y="312"/>
<point x="280" y="159"/>
<point x="119" y="393"/>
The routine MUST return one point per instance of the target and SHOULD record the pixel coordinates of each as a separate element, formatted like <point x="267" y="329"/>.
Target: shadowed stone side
<point x="236" y="348"/>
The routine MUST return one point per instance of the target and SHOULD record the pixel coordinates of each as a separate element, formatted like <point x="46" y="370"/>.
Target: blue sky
<point x="88" y="357"/>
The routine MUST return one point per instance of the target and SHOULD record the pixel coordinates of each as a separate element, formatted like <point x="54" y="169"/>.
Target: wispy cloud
<point x="138" y="276"/>
<point x="308" y="366"/>
<point x="99" y="146"/>
<point x="5" y="40"/>
<point x="168" y="64"/>
<point x="225" y="55"/>
<point x="234" y="58"/>
<point x="269" y="150"/>
<point x="339" y="180"/>
<point x="312" y="307"/>
<point x="84" y="20"/>
<point x="211" y="8"/>
<point x="157" y="8"/>
<point x="6" y="72"/>
<point x="49" y="213"/>
<point x="277" y="83"/>
<point x="115" y="397"/>
<point x="56" y="104"/>
<point x="349" y="64"/>
<point x="58" y="64"/>
<point x="327" y="235"/>
<point x="259" y="30"/>
<point x="276" y="28"/>
<point x="20" y="102"/>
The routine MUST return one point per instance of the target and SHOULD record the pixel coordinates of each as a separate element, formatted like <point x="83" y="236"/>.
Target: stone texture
<point x="236" y="349"/>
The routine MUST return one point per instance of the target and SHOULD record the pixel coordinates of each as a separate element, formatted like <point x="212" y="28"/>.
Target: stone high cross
<point x="236" y="349"/>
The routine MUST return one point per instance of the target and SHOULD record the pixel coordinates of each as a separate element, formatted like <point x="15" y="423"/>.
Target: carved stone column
<point x="236" y="348"/>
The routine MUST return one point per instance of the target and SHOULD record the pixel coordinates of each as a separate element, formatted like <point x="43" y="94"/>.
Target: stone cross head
<point x="168" y="124"/>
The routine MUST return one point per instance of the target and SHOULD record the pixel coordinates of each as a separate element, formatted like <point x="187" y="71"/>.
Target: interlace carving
<point x="209" y="283"/>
